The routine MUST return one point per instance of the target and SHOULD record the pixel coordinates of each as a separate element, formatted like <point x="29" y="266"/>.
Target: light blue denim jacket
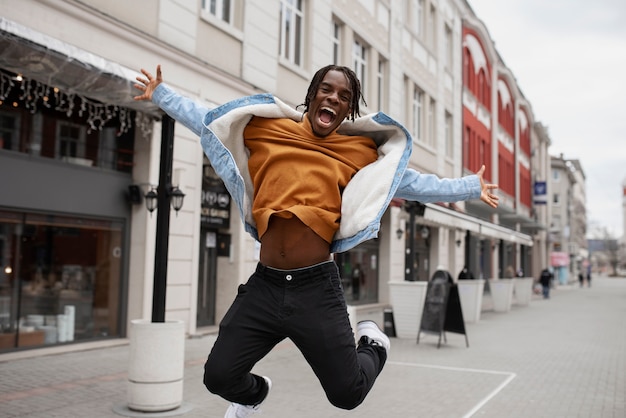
<point x="367" y="195"/>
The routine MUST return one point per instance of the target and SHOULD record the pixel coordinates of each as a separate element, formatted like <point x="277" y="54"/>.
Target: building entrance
<point x="207" y="278"/>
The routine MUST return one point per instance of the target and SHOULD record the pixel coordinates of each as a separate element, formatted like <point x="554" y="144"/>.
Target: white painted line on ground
<point x="509" y="377"/>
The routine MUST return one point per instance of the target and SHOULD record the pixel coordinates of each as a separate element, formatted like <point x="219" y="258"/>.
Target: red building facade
<point x="497" y="132"/>
<point x="477" y="91"/>
<point x="497" y="122"/>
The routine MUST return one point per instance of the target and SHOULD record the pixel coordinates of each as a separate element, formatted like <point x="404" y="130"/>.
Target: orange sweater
<point x="296" y="173"/>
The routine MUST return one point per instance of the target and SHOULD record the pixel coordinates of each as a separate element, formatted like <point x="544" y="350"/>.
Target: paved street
<point x="563" y="357"/>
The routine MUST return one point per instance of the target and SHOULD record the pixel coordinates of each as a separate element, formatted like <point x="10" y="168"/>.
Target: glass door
<point x="207" y="278"/>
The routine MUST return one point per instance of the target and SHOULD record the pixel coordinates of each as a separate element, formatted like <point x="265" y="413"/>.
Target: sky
<point x="569" y="60"/>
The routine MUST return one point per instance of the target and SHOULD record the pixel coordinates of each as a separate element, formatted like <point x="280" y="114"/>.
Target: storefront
<point x="60" y="280"/>
<point x="66" y="159"/>
<point x="215" y="241"/>
<point x="487" y="247"/>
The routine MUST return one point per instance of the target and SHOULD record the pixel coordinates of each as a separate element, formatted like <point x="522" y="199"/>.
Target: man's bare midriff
<point x="290" y="244"/>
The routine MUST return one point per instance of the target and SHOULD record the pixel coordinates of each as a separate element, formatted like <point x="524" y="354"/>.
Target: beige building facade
<point x="408" y="55"/>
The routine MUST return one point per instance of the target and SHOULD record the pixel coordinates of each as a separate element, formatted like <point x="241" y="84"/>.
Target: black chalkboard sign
<point x="442" y="308"/>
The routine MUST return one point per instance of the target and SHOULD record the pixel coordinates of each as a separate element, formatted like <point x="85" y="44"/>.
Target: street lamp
<point x="151" y="200"/>
<point x="161" y="199"/>
<point x="176" y="198"/>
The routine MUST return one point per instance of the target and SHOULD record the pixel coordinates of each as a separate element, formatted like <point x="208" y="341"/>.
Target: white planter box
<point x="156" y="365"/>
<point x="523" y="290"/>
<point x="502" y="294"/>
<point x="471" y="295"/>
<point x="407" y="301"/>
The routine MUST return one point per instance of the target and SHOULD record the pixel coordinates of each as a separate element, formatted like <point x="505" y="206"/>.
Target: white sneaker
<point x="370" y="330"/>
<point x="236" y="410"/>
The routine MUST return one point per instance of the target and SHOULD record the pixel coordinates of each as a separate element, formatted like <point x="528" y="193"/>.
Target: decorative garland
<point x="34" y="94"/>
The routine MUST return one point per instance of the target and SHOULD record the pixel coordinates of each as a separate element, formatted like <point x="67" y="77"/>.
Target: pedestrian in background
<point x="546" y="281"/>
<point x="509" y="273"/>
<point x="466" y="274"/>
<point x="358" y="278"/>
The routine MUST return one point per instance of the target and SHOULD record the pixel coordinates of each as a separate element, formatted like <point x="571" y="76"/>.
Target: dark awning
<point x="450" y="218"/>
<point x="73" y="70"/>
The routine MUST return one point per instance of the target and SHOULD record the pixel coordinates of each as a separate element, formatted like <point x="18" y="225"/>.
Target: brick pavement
<point x="563" y="357"/>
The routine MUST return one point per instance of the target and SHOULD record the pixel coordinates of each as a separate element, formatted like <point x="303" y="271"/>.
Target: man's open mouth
<point x="326" y="115"/>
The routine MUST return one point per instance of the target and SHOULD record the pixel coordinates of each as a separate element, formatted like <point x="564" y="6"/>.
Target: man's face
<point x="331" y="104"/>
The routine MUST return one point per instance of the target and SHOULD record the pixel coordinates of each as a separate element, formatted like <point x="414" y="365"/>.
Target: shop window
<point x="359" y="273"/>
<point x="417" y="253"/>
<point x="60" y="279"/>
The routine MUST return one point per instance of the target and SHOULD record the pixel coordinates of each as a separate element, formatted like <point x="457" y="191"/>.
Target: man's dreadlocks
<point x="355" y="86"/>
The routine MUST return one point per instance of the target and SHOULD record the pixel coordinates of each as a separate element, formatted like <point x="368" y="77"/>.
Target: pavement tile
<point x="562" y="357"/>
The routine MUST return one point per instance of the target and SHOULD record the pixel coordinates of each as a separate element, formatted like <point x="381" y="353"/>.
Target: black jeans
<point x="306" y="305"/>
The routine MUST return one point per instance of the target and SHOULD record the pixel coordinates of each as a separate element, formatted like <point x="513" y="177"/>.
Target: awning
<point x="441" y="216"/>
<point x="73" y="70"/>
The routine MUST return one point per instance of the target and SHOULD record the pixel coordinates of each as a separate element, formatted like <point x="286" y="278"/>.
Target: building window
<point x="380" y="85"/>
<point x="291" y="31"/>
<point x="467" y="134"/>
<point x="336" y="40"/>
<point x="556" y="198"/>
<point x="447" y="58"/>
<point x="71" y="141"/>
<point x="9" y="131"/>
<point x="359" y="63"/>
<point x="417" y="16"/>
<point x="432" y="122"/>
<point x="556" y="175"/>
<point x="221" y="9"/>
<point x="417" y="117"/>
<point x="449" y="136"/>
<point x="432" y="27"/>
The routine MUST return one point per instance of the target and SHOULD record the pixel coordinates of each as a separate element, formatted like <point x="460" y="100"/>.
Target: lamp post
<point x="165" y="193"/>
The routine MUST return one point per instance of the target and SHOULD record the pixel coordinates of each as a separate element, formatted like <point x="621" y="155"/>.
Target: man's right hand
<point x="148" y="84"/>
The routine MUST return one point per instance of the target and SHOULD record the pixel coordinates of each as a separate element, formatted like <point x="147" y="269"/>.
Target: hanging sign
<point x="540" y="193"/>
<point x="215" y="211"/>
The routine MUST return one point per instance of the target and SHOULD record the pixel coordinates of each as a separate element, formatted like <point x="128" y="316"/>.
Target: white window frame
<point x="447" y="59"/>
<point x="380" y="84"/>
<point x="449" y="130"/>
<point x="292" y="36"/>
<point x="431" y="138"/>
<point x="359" y="62"/>
<point x="417" y="17"/>
<point x="417" y="117"/>
<point x="431" y="27"/>
<point x="216" y="9"/>
<point x="79" y="141"/>
<point x="336" y="40"/>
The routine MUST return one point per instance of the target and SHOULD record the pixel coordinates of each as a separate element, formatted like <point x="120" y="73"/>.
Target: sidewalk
<point x="562" y="357"/>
